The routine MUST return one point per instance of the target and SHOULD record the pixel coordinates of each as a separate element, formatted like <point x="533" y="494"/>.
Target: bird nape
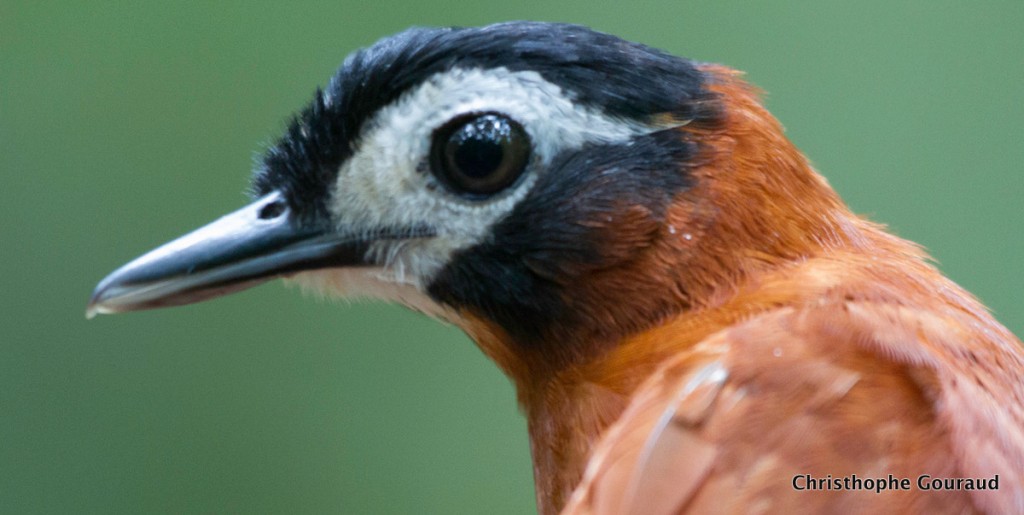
<point x="694" y="321"/>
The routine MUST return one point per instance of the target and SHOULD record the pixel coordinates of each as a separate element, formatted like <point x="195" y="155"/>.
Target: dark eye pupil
<point x="479" y="155"/>
<point x="476" y="151"/>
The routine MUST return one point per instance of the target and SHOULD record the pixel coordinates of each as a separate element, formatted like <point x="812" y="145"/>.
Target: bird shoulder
<point x="852" y="382"/>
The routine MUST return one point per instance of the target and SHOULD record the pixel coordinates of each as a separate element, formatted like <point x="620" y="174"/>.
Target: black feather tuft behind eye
<point x="593" y="209"/>
<point x="479" y="155"/>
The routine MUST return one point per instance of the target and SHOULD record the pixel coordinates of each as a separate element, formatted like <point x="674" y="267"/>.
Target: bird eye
<point x="479" y="155"/>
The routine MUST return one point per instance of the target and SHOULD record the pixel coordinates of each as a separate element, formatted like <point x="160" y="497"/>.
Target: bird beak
<point x="257" y="243"/>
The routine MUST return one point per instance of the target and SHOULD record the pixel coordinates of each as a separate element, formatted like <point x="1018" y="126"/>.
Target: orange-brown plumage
<point x="844" y="350"/>
<point x="692" y="317"/>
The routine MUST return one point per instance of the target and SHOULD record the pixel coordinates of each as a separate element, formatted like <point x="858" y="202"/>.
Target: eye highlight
<point x="478" y="155"/>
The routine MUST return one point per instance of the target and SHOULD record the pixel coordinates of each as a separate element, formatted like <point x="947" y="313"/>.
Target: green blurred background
<point x="123" y="124"/>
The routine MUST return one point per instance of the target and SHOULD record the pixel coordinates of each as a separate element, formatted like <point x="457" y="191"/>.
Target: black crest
<point x="621" y="78"/>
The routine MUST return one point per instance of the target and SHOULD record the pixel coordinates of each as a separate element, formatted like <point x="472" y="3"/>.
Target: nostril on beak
<point x="272" y="210"/>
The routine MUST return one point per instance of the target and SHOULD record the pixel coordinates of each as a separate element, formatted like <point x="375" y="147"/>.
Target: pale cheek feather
<point x="386" y="183"/>
<point x="372" y="284"/>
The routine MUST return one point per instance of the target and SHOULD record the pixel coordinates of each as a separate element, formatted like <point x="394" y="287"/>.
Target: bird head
<point x="543" y="186"/>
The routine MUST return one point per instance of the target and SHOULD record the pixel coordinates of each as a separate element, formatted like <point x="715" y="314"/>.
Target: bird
<point x="693" y="319"/>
